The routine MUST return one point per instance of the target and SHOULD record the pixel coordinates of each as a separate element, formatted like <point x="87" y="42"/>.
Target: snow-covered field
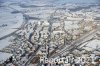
<point x="9" y="21"/>
<point x="4" y="56"/>
<point x="8" y="24"/>
<point x="4" y="43"/>
<point x="92" y="45"/>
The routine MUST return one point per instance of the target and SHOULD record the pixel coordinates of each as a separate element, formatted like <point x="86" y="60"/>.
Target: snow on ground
<point x="9" y="21"/>
<point x="94" y="44"/>
<point x="4" y="43"/>
<point x="40" y="12"/>
<point x="8" y="24"/>
<point x="4" y="56"/>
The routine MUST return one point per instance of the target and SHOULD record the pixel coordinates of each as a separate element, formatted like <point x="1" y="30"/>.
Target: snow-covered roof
<point x="45" y="23"/>
<point x="58" y="32"/>
<point x="71" y="25"/>
<point x="4" y="56"/>
<point x="75" y="19"/>
<point x="56" y="24"/>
